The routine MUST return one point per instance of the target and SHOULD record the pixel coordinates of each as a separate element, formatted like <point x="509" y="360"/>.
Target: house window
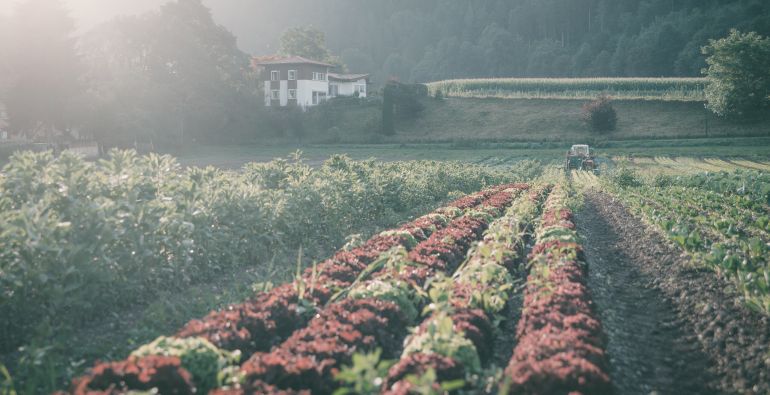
<point x="319" y="76"/>
<point x="318" y="97"/>
<point x="360" y="89"/>
<point x="334" y="90"/>
<point x="275" y="94"/>
<point x="292" y="75"/>
<point x="275" y="75"/>
<point x="292" y="94"/>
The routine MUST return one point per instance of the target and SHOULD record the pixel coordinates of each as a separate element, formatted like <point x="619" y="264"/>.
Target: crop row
<point x="83" y="241"/>
<point x="574" y="88"/>
<point x="376" y="312"/>
<point x="732" y="240"/>
<point x="455" y="341"/>
<point x="728" y="217"/>
<point x="202" y="351"/>
<point x="747" y="188"/>
<point x="559" y="346"/>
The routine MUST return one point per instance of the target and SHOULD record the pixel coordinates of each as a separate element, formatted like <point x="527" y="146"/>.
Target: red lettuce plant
<point x="560" y="340"/>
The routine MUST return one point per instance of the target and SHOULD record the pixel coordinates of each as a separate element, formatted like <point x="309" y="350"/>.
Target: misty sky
<point x="236" y="15"/>
<point x="91" y="12"/>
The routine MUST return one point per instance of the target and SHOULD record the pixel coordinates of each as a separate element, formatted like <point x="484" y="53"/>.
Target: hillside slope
<point x="559" y="120"/>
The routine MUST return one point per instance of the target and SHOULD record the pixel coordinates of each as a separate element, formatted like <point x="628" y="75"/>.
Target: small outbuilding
<point x="348" y="84"/>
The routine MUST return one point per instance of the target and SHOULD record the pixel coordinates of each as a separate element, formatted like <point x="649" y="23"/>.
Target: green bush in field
<point x="83" y="240"/>
<point x="739" y="75"/>
<point x="599" y="114"/>
<point x="625" y="177"/>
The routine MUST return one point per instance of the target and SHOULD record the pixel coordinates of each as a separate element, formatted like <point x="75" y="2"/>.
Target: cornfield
<point x="680" y="89"/>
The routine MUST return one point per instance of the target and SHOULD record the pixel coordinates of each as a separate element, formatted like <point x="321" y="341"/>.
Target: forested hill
<point x="428" y="40"/>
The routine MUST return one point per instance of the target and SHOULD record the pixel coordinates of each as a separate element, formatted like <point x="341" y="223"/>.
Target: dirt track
<point x="671" y="328"/>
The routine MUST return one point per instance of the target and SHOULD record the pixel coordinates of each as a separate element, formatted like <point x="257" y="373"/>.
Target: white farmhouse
<point x="297" y="81"/>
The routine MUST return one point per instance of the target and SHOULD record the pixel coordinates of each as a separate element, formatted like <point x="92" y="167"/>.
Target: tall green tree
<point x="307" y="42"/>
<point x="739" y="75"/>
<point x="389" y="109"/>
<point x="46" y="70"/>
<point x="169" y="78"/>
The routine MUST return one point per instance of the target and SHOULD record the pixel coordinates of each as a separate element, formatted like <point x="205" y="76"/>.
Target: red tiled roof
<point x="274" y="59"/>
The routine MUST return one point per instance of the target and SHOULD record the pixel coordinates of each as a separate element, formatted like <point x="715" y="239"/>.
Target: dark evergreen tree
<point x="388" y="109"/>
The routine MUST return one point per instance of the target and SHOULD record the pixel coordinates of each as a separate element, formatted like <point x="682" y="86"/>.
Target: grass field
<point x="522" y="120"/>
<point x="541" y="120"/>
<point x="232" y="157"/>
<point x="677" y="89"/>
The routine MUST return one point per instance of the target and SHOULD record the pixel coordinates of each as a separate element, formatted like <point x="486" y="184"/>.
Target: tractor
<point x="580" y="157"/>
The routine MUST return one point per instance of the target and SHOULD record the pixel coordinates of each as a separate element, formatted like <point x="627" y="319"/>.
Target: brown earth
<point x="671" y="328"/>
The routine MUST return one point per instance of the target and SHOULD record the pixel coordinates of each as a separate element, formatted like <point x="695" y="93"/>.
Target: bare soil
<point x="671" y="328"/>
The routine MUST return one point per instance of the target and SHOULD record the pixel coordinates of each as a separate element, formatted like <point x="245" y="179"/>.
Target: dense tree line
<point x="437" y="39"/>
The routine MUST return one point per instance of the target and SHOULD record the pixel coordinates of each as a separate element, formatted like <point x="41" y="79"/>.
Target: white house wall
<point x="305" y="89"/>
<point x="284" y="93"/>
<point x="348" y="88"/>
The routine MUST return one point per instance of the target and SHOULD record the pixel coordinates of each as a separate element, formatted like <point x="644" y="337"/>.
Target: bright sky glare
<point x="89" y="13"/>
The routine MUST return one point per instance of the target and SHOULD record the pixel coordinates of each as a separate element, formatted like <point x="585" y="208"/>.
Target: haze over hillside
<point x="438" y="39"/>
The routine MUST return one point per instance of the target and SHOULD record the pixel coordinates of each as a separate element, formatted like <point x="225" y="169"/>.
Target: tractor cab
<point x="580" y="157"/>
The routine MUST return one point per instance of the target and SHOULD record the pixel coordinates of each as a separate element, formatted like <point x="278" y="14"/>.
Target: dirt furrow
<point x="648" y="347"/>
<point x="668" y="324"/>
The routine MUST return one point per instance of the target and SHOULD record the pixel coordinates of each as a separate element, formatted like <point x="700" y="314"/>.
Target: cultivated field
<point x="198" y="202"/>
<point x="653" y="275"/>
<point x="678" y="89"/>
<point x="229" y="157"/>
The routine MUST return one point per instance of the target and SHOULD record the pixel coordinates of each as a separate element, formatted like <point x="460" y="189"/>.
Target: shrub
<point x="401" y="102"/>
<point x="600" y="115"/>
<point x="625" y="177"/>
